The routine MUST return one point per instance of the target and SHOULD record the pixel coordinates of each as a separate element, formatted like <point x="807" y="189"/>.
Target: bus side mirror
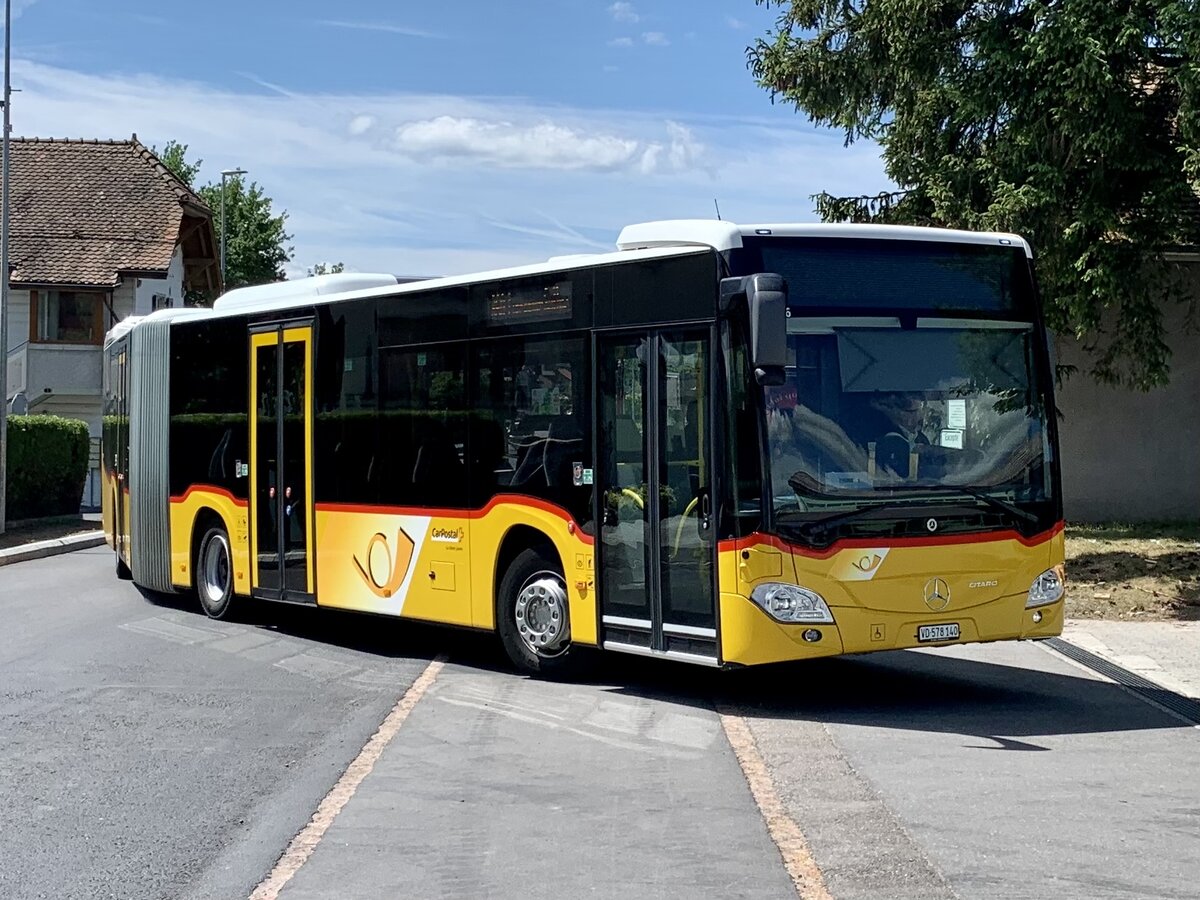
<point x="766" y="297"/>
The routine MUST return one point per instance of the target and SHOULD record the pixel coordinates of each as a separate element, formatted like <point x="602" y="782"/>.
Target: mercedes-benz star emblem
<point x="937" y="594"/>
<point x="931" y="525"/>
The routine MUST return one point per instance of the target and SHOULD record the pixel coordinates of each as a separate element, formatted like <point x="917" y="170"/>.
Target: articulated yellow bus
<point x="719" y="444"/>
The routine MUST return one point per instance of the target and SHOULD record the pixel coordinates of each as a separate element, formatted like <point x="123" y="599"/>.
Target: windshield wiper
<point x="982" y="497"/>
<point x="820" y="526"/>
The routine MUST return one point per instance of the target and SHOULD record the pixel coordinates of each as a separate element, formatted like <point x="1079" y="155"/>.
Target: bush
<point x="47" y="466"/>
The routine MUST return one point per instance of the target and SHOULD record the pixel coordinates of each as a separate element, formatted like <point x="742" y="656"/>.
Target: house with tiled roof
<point x="99" y="230"/>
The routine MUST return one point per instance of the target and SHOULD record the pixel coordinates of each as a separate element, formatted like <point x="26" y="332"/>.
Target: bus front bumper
<point x="751" y="637"/>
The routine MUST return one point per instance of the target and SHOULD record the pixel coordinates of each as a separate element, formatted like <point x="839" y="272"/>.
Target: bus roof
<point x="722" y="235"/>
<point x="646" y="240"/>
<point x="333" y="288"/>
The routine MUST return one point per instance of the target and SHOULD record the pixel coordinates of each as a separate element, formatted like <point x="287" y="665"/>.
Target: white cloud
<point x="621" y="42"/>
<point x="543" y="145"/>
<point x="655" y="39"/>
<point x="499" y="181"/>
<point x="624" y="12"/>
<point x="361" y="124"/>
<point x="735" y="23"/>
<point x="382" y="27"/>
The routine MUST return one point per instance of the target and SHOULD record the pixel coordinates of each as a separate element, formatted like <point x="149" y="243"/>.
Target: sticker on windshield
<point x="859" y="564"/>
<point x="849" y="481"/>
<point x="956" y="413"/>
<point x="952" y="438"/>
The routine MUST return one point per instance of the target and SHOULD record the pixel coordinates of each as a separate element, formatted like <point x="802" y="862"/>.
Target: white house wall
<point x="18" y="318"/>
<point x="171" y="286"/>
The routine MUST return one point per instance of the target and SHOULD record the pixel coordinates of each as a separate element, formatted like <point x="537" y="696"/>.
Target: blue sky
<point x="442" y="138"/>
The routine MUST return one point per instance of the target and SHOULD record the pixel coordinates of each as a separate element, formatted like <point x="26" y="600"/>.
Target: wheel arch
<point x="516" y="540"/>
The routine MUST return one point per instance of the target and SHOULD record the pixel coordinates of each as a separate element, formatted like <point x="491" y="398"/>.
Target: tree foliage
<point x="323" y="268"/>
<point x="1073" y="122"/>
<point x="256" y="243"/>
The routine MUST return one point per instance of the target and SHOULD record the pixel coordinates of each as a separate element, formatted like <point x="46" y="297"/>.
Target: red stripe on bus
<point x="442" y="513"/>
<point x="757" y="539"/>
<point x="208" y="489"/>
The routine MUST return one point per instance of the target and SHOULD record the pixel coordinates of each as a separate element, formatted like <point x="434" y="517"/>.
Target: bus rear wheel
<point x="532" y="615"/>
<point x="214" y="573"/>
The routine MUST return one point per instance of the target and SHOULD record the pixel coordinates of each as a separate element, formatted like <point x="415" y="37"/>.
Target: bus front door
<point x="656" y="565"/>
<point x="281" y="440"/>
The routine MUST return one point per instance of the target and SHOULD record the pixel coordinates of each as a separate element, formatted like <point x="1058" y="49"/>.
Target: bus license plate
<point x="929" y="633"/>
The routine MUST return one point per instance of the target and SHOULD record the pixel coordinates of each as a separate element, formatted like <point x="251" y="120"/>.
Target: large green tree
<point x="256" y="242"/>
<point x="1073" y="122"/>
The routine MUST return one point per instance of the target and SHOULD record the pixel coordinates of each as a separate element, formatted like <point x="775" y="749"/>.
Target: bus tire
<point x="214" y="573"/>
<point x="123" y="571"/>
<point x="532" y="617"/>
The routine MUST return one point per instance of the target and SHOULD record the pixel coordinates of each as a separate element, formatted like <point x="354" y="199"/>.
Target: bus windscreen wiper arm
<point x="821" y="525"/>
<point x="982" y="497"/>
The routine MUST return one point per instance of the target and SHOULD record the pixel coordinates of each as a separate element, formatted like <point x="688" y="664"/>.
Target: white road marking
<point x="303" y="844"/>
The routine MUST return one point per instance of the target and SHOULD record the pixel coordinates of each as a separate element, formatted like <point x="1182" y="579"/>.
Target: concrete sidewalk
<point x="1167" y="653"/>
<point x="52" y="547"/>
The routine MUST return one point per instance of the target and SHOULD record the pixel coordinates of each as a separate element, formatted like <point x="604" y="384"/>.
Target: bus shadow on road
<point x="384" y="636"/>
<point x="905" y="690"/>
<point x="911" y="691"/>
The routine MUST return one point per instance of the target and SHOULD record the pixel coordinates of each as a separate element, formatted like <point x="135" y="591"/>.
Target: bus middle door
<point x="281" y="442"/>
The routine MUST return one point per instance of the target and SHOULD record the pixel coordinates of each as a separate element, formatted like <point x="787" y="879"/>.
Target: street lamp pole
<point x="225" y="173"/>
<point x="4" y="270"/>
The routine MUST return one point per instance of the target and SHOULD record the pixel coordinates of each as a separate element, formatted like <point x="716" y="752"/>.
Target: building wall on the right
<point x="1130" y="456"/>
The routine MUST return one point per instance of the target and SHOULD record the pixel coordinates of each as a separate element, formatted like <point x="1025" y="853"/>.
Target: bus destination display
<point x="535" y="303"/>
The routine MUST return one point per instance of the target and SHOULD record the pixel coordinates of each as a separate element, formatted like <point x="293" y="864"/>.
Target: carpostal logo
<point x="447" y="535"/>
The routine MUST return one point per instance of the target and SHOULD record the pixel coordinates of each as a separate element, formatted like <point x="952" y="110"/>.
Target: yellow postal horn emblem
<point x="383" y="573"/>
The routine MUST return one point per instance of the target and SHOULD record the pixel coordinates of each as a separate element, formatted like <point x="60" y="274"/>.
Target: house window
<point x="160" y="301"/>
<point x="67" y="317"/>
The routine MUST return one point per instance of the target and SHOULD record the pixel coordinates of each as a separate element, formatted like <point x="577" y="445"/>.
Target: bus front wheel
<point x="532" y="616"/>
<point x="214" y="573"/>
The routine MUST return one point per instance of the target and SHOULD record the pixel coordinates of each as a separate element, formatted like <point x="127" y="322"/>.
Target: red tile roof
<point x="83" y="212"/>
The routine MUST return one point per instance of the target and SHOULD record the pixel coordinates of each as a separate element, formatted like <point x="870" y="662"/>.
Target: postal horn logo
<point x="937" y="594"/>
<point x="868" y="563"/>
<point x="385" y="566"/>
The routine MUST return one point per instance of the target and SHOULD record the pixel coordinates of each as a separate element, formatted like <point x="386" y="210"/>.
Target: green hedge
<point x="47" y="466"/>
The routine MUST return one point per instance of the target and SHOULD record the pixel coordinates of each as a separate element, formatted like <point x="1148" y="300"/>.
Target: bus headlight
<point x="789" y="603"/>
<point x="1046" y="588"/>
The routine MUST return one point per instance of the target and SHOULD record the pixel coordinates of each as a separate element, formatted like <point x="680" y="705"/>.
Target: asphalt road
<point x="146" y="751"/>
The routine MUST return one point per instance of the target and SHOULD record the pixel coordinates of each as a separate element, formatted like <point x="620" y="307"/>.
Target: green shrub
<point x="47" y="466"/>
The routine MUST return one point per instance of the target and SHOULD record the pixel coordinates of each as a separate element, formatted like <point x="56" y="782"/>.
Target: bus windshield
<point x="912" y="379"/>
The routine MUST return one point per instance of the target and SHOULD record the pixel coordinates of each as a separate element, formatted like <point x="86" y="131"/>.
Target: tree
<point x="1075" y="124"/>
<point x="326" y="269"/>
<point x="256" y="244"/>
<point x="174" y="157"/>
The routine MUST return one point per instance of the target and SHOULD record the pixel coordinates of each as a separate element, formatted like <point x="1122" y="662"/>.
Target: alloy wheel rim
<point x="541" y="614"/>
<point x="215" y="570"/>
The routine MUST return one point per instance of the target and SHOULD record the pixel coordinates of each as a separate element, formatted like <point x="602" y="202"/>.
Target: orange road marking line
<point x="303" y="844"/>
<point x="793" y="847"/>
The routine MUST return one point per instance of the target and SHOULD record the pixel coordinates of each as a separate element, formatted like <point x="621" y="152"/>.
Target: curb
<point x="1143" y="667"/>
<point x="42" y="549"/>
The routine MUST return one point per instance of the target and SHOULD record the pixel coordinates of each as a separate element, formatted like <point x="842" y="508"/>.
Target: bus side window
<point x="530" y="422"/>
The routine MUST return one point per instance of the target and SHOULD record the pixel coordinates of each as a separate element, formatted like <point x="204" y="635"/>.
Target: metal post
<point x="4" y="268"/>
<point x="222" y="229"/>
<point x="225" y="174"/>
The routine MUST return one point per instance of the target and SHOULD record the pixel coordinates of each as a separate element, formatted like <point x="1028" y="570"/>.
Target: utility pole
<point x="4" y="268"/>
